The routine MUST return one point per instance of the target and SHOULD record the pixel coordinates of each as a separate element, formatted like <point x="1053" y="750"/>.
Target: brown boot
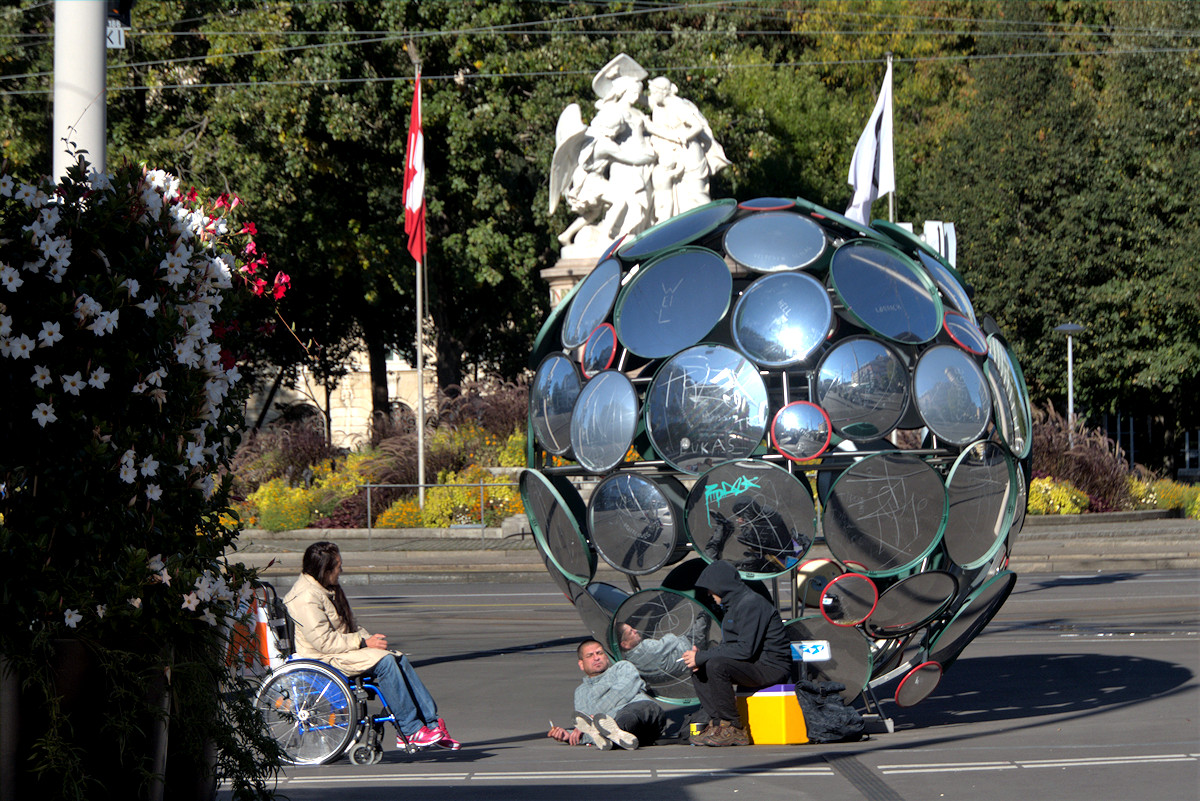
<point x="727" y="734"/>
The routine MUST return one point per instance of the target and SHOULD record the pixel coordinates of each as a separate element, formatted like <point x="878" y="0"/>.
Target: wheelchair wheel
<point x="365" y="755"/>
<point x="310" y="711"/>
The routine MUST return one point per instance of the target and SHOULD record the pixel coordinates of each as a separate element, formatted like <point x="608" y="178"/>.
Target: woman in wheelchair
<point x="326" y="630"/>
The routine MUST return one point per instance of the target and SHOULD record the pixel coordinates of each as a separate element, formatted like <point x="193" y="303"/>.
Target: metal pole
<point x="892" y="194"/>
<point x="420" y="384"/>
<point x="80" y="82"/>
<point x="1070" y="393"/>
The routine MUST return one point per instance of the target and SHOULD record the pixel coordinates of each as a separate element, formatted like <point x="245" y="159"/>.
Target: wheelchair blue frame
<point x="315" y="712"/>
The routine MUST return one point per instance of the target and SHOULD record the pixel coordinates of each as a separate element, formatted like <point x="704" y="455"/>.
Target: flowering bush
<point x="459" y="503"/>
<point x="126" y="303"/>
<point x="1050" y="497"/>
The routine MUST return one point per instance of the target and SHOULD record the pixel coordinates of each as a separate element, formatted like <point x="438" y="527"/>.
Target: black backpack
<point x="826" y="716"/>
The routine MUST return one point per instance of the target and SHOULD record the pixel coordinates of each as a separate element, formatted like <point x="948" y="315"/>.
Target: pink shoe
<point x="447" y="741"/>
<point x="424" y="738"/>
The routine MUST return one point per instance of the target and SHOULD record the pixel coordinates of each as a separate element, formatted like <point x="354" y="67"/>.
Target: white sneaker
<point x="594" y="735"/>
<point x="613" y="732"/>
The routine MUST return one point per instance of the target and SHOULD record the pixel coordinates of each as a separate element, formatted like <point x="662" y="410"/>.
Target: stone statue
<point x="626" y="171"/>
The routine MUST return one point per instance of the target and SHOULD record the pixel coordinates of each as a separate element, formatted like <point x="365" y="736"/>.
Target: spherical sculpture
<point x="812" y="400"/>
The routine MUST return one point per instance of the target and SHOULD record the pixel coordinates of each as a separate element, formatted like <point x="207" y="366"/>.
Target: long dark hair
<point x="319" y="561"/>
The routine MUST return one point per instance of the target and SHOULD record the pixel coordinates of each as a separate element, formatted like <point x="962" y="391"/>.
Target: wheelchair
<point x="315" y="712"/>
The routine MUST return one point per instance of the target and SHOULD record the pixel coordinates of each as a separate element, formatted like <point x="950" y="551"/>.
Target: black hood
<point x="720" y="578"/>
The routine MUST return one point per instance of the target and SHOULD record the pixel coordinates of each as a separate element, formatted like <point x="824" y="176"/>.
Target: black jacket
<point x="751" y="630"/>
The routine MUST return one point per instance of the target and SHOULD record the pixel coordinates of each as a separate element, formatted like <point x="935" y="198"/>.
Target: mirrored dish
<point x="681" y="229"/>
<point x="801" y="431"/>
<point x="850" y="650"/>
<point x="637" y="522"/>
<point x="918" y="683"/>
<point x="951" y="394"/>
<point x="1014" y="418"/>
<point x="954" y="294"/>
<point x="982" y="490"/>
<point x="600" y="350"/>
<point x="767" y="204"/>
<point x="592" y="302"/>
<point x="596" y="606"/>
<point x="672" y="302"/>
<point x="965" y="333"/>
<point x="863" y="385"/>
<point x="911" y="603"/>
<point x="652" y="629"/>
<point x="549" y="336"/>
<point x="753" y="514"/>
<point x="838" y="225"/>
<point x="706" y="404"/>
<point x="554" y="509"/>
<point x="948" y="641"/>
<point x="886" y="512"/>
<point x="885" y="292"/>
<point x="849" y="599"/>
<point x="604" y="421"/>
<point x="811" y="579"/>
<point x="552" y="395"/>
<point x="782" y="319"/>
<point x="776" y="241"/>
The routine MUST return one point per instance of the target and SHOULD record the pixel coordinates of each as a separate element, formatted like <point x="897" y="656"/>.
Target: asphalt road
<point x="1084" y="687"/>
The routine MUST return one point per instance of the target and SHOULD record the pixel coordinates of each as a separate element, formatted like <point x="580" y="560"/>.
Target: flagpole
<point x="414" y="225"/>
<point x="892" y="194"/>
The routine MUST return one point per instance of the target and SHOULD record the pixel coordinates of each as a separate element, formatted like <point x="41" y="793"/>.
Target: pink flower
<point x="282" y="282"/>
<point x="249" y="228"/>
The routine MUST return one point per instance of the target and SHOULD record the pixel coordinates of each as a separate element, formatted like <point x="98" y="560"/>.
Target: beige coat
<point x="319" y="631"/>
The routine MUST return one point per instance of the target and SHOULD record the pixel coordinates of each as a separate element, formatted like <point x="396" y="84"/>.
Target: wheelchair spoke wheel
<point x="310" y="711"/>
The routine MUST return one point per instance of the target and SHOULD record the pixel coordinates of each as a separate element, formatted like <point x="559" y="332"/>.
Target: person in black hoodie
<point x="754" y="652"/>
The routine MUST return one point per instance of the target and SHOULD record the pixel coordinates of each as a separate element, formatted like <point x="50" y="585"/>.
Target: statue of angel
<point x="687" y="154"/>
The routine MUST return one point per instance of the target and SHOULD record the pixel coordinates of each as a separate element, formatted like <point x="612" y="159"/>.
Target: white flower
<point x="57" y="272"/>
<point x="11" y="279"/>
<point x="6" y="347"/>
<point x="149" y="466"/>
<point x="44" y="413"/>
<point x="34" y="266"/>
<point x="105" y="322"/>
<point x="209" y="618"/>
<point x="244" y="592"/>
<point x="101" y="611"/>
<point x="190" y="602"/>
<point x="6" y="186"/>
<point x="26" y="194"/>
<point x="21" y="347"/>
<point x="232" y="375"/>
<point x="155" y="563"/>
<point x="99" y="378"/>
<point x="158" y="179"/>
<point x="149" y="306"/>
<point x="37" y="227"/>
<point x="99" y="180"/>
<point x="164" y="577"/>
<point x="72" y="383"/>
<point x="132" y="286"/>
<point x="41" y="376"/>
<point x="5" y="325"/>
<point x="139" y="388"/>
<point x="71" y="617"/>
<point x="85" y="307"/>
<point x="194" y="454"/>
<point x="136" y="603"/>
<point x="129" y="457"/>
<point x="51" y="332"/>
<point x="155" y="378"/>
<point x="175" y="276"/>
<point x="128" y="473"/>
<point x="153" y="492"/>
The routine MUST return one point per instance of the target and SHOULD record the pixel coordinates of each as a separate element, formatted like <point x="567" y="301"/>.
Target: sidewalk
<point x="1124" y="541"/>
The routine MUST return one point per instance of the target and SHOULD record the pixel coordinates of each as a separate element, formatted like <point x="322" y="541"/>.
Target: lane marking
<point x="1018" y="764"/>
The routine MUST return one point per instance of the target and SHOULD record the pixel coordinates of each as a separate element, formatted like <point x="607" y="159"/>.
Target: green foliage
<point x="1048" y="496"/>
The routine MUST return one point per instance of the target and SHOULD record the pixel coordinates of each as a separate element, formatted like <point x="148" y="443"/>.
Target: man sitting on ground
<point x="611" y="704"/>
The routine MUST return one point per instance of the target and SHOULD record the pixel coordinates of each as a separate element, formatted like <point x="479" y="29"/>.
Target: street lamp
<point x="1070" y="329"/>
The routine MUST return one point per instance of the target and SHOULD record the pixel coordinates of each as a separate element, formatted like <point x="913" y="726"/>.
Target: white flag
<point x="872" y="170"/>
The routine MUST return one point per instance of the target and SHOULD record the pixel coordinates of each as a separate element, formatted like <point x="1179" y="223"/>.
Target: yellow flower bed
<point x="1050" y="497"/>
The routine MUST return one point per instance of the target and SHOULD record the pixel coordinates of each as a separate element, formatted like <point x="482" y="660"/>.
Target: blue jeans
<point x="404" y="694"/>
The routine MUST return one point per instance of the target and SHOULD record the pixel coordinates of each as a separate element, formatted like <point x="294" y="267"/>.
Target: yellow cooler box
<point x="773" y="715"/>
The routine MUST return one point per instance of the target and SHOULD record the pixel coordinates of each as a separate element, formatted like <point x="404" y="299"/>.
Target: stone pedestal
<point x="566" y="273"/>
